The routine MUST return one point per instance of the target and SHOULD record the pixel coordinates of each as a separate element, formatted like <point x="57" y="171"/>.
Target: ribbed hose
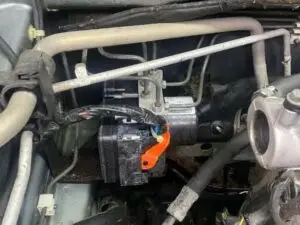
<point x="191" y="192"/>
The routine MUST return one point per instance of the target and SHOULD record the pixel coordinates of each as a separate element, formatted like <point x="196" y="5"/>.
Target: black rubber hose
<point x="8" y="52"/>
<point x="92" y="4"/>
<point x="214" y="165"/>
<point x="286" y="85"/>
<point x="163" y="13"/>
<point x="191" y="192"/>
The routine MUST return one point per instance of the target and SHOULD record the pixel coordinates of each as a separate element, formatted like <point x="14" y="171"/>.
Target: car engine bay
<point x="149" y="112"/>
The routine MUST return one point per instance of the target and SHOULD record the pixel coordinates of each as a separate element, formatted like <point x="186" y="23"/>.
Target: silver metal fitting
<point x="274" y="132"/>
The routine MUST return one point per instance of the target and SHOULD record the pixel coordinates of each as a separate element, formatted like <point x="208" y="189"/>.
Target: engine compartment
<point x="149" y="112"/>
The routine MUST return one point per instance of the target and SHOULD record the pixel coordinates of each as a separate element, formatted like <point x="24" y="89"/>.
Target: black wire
<point x="179" y="12"/>
<point x="140" y="115"/>
<point x="8" y="52"/>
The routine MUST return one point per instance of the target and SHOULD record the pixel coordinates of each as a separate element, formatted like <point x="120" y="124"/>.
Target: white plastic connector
<point x="46" y="202"/>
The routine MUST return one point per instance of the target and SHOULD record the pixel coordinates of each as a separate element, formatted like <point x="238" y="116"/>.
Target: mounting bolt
<point x="217" y="127"/>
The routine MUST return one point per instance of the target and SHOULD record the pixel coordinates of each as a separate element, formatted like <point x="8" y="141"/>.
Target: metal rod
<point x="129" y="70"/>
<point x="20" y="185"/>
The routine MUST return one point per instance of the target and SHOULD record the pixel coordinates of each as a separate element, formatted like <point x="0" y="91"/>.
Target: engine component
<point x="121" y="146"/>
<point x="273" y="124"/>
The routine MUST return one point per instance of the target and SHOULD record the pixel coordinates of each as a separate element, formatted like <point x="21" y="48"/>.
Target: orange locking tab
<point x="151" y="156"/>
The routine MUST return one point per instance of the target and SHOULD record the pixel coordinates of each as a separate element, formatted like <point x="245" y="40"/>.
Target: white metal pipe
<point x="78" y="40"/>
<point x="17" y="194"/>
<point x="129" y="70"/>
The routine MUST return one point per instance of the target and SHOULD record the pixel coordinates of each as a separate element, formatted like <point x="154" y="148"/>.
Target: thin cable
<point x="8" y="52"/>
<point x="190" y="69"/>
<point x="201" y="80"/>
<point x="68" y="169"/>
<point x="68" y="75"/>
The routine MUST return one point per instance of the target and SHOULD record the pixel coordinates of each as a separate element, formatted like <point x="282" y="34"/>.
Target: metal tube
<point x="18" y="192"/>
<point x="201" y="81"/>
<point x="158" y="93"/>
<point x="129" y="70"/>
<point x="190" y="69"/>
<point x="130" y="57"/>
<point x="16" y="115"/>
<point x="121" y="56"/>
<point x="287" y="61"/>
<point x="78" y="40"/>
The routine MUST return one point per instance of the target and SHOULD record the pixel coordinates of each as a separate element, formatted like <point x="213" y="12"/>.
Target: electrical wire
<point x="8" y="52"/>
<point x="68" y="75"/>
<point x="190" y="69"/>
<point x="201" y="81"/>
